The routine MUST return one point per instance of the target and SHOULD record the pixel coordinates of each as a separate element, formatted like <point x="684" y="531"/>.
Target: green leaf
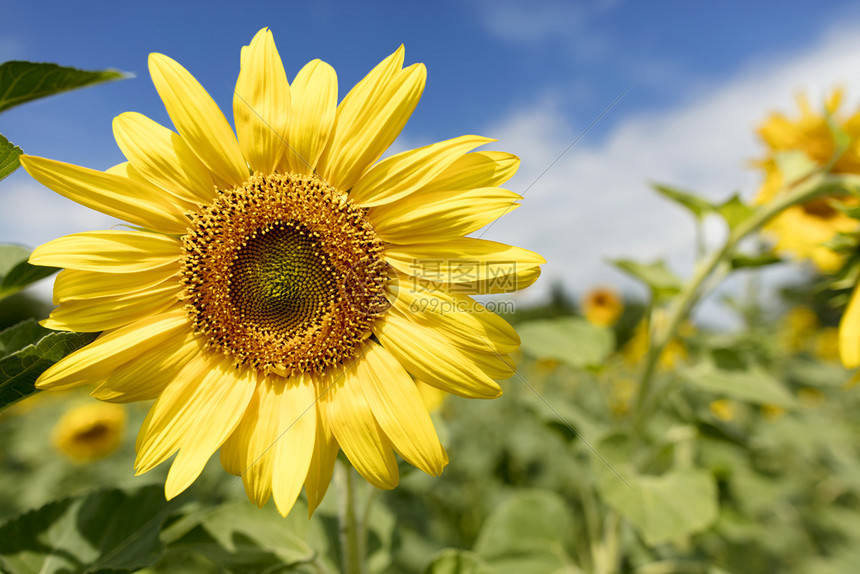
<point x="527" y="533"/>
<point x="9" y="153"/>
<point x="31" y="351"/>
<point x="105" y="530"/>
<point x="22" y="82"/>
<point x="656" y="276"/>
<point x="527" y="521"/>
<point x="16" y="272"/>
<point x="678" y="503"/>
<point x="456" y="561"/>
<point x="742" y="261"/>
<point x="22" y="275"/>
<point x="753" y="385"/>
<point x="571" y="340"/>
<point x="695" y="204"/>
<point x="239" y="535"/>
<point x="10" y="256"/>
<point x="794" y="166"/>
<point x="734" y="211"/>
<point x="19" y="336"/>
<point x="666" y="507"/>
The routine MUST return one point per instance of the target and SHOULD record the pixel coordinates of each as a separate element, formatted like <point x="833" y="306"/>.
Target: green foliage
<point x="753" y="385"/>
<point x="16" y="272"/>
<point x="22" y="82"/>
<point x="526" y="533"/>
<point x="795" y="166"/>
<point x="453" y="561"/>
<point x="744" y="261"/>
<point x="734" y="211"/>
<point x="105" y="530"/>
<point x="28" y="349"/>
<point x="656" y="276"/>
<point x="670" y="506"/>
<point x="693" y="203"/>
<point x="571" y="340"/>
<point x="9" y="153"/>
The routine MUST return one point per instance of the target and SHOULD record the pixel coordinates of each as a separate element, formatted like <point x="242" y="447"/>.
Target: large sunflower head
<point x="282" y="292"/>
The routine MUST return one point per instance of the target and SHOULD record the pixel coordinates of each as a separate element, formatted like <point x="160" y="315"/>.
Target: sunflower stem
<point x="350" y="530"/>
<point x="680" y="307"/>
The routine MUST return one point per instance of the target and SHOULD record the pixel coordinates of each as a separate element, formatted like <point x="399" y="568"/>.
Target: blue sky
<point x="533" y="74"/>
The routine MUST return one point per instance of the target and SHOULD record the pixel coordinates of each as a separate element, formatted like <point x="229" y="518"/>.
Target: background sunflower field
<point x="658" y="422"/>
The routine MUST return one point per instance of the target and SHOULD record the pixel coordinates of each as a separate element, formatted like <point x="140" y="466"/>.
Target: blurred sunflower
<point x="281" y="289"/>
<point x="801" y="230"/>
<point x="89" y="432"/>
<point x="602" y="306"/>
<point x="674" y="353"/>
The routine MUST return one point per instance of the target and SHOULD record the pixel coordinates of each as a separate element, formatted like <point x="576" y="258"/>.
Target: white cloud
<point x="33" y="214"/>
<point x="537" y="21"/>
<point x="595" y="202"/>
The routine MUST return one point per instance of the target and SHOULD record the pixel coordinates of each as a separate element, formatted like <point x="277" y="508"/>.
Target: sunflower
<point x="803" y="230"/>
<point x="602" y="306"/>
<point x="89" y="432"/>
<point x="281" y="291"/>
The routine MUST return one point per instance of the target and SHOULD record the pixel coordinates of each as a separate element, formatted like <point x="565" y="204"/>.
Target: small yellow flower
<point x="771" y="412"/>
<point x="798" y="329"/>
<point x="827" y="344"/>
<point x="802" y="229"/>
<point x="621" y="393"/>
<point x="810" y="397"/>
<point x="723" y="409"/>
<point x="673" y="353"/>
<point x="90" y="431"/>
<point x="602" y="306"/>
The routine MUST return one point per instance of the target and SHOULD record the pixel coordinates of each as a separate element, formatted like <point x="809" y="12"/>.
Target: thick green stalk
<point x="693" y="291"/>
<point x="353" y="561"/>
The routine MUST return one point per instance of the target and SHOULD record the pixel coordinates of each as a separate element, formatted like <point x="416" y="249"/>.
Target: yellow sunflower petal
<point x="419" y="350"/>
<point x="99" y="359"/>
<point x="219" y="397"/>
<point x="399" y="410"/>
<point x="370" y="118"/>
<point x="402" y="174"/>
<point x="160" y="437"/>
<point x="295" y="444"/>
<point x="322" y="462"/>
<point x="198" y="119"/>
<point x="249" y="451"/>
<point x="467" y="265"/>
<point x="145" y="377"/>
<point x="183" y="201"/>
<point x="163" y="157"/>
<point x="475" y="170"/>
<point x="441" y="215"/>
<point x="356" y="430"/>
<point x="111" y="194"/>
<point x="462" y="319"/>
<point x="849" y="332"/>
<point x="104" y="313"/>
<point x="75" y="285"/>
<point x="261" y="104"/>
<point x="108" y="251"/>
<point x="314" y="105"/>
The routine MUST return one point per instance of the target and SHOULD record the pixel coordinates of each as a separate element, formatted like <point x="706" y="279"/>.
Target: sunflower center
<point x="92" y="433"/>
<point x="283" y="274"/>
<point x="820" y="208"/>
